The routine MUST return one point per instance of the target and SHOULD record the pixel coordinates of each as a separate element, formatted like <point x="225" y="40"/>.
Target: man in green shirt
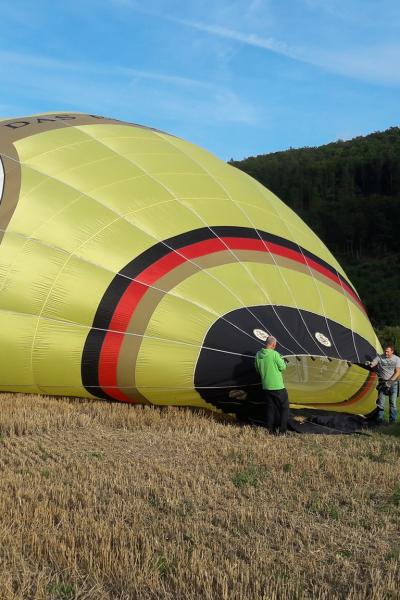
<point x="270" y="365"/>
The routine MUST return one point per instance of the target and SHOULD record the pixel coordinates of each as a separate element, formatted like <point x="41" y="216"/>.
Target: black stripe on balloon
<point x="90" y="362"/>
<point x="114" y="292"/>
<point x="108" y="304"/>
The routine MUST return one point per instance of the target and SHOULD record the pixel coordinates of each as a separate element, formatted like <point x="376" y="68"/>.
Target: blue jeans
<point x="392" y="404"/>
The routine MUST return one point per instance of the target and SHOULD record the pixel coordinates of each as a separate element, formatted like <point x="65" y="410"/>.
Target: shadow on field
<point x="392" y="430"/>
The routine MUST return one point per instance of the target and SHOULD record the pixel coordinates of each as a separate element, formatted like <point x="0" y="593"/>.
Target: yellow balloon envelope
<point x="138" y="267"/>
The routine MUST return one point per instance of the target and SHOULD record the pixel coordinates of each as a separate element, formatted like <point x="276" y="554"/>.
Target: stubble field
<point x="111" y="502"/>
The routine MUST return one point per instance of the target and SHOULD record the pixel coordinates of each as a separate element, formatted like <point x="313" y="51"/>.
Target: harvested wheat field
<point x="107" y="501"/>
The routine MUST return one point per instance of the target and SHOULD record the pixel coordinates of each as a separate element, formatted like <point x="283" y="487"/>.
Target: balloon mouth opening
<point x="312" y="381"/>
<point x="324" y="359"/>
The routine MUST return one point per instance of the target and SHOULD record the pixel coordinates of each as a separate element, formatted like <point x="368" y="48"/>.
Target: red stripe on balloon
<point x="301" y="258"/>
<point x="134" y="293"/>
<point x="276" y="249"/>
<point x="114" y="337"/>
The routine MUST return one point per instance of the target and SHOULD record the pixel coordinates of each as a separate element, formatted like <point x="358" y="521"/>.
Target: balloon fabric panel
<point x="137" y="267"/>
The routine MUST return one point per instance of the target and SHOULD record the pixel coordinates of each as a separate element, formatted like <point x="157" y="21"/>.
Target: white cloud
<point x="376" y="64"/>
<point x="250" y="39"/>
<point x="163" y="78"/>
<point x="334" y="35"/>
<point x="223" y="107"/>
<point x="346" y="38"/>
<point x="44" y="64"/>
<point x="85" y="87"/>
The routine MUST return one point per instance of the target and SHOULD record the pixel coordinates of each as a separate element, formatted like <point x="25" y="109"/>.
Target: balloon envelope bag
<point x="135" y="266"/>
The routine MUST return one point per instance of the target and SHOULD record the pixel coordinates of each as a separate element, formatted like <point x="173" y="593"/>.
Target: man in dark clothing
<point x="270" y="365"/>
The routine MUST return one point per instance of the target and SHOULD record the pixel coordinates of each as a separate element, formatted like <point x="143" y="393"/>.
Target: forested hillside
<point x="349" y="194"/>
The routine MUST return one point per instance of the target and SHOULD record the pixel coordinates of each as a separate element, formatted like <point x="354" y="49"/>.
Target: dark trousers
<point x="276" y="410"/>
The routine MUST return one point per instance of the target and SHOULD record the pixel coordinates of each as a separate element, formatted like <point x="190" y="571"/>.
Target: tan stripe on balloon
<point x="11" y="184"/>
<point x="12" y="130"/>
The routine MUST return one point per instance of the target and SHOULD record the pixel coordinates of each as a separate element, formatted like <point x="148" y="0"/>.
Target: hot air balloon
<point x="135" y="266"/>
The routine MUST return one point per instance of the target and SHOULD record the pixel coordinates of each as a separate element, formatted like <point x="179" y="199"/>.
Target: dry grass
<point x="106" y="501"/>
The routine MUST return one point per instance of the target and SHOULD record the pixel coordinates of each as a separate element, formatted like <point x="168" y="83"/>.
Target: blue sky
<point x="238" y="77"/>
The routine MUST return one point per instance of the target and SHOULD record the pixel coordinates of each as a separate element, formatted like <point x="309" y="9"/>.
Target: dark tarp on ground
<point x="332" y="424"/>
<point x="325" y="422"/>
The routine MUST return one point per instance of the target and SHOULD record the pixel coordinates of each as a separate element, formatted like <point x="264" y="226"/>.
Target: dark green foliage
<point x="249" y="476"/>
<point x="62" y="591"/>
<point x="389" y="335"/>
<point x="396" y="496"/>
<point x="164" y="566"/>
<point x="349" y="194"/>
<point x="377" y="280"/>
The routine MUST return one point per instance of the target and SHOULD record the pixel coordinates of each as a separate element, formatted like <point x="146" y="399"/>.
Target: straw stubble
<point x="110" y="502"/>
